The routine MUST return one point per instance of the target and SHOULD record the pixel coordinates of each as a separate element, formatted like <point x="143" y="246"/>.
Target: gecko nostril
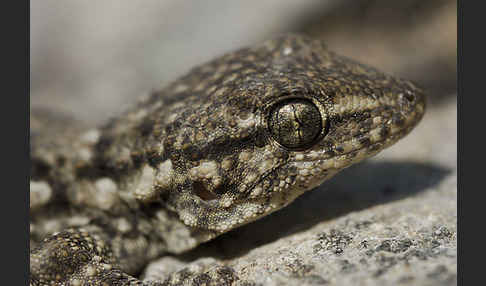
<point x="410" y="96"/>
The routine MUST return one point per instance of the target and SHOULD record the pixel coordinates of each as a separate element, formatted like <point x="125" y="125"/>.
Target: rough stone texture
<point x="388" y="221"/>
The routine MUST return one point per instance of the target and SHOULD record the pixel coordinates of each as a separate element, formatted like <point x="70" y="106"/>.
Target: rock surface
<point x="388" y="221"/>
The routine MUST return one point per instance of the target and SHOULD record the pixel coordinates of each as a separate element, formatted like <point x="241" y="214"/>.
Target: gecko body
<point x="233" y="140"/>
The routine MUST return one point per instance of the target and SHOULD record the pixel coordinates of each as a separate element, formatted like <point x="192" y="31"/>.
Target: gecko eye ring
<point x="296" y="123"/>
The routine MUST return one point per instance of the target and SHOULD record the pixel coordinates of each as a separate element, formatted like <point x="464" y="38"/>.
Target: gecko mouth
<point x="338" y="161"/>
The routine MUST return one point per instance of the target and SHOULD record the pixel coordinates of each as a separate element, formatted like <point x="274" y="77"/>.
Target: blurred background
<point x="92" y="59"/>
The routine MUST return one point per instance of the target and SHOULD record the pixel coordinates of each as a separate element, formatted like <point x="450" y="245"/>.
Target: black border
<point x="14" y="212"/>
<point x="471" y="63"/>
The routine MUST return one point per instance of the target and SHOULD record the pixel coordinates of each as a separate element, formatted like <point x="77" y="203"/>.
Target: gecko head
<point x="330" y="112"/>
<point x="260" y="126"/>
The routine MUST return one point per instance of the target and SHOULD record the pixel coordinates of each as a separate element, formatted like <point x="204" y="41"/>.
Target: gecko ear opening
<point x="295" y="123"/>
<point x="202" y="192"/>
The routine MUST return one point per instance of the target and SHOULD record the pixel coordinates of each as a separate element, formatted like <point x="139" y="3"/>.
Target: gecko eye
<point x="295" y="123"/>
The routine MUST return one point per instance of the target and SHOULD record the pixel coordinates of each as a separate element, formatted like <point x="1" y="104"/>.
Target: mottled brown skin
<point x="233" y="140"/>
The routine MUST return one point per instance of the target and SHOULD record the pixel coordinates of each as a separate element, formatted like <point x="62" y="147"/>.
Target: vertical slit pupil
<point x="295" y="123"/>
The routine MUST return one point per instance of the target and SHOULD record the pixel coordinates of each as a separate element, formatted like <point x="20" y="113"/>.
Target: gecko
<point x="232" y="141"/>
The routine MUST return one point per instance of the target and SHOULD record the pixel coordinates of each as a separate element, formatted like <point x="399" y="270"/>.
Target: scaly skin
<point x="230" y="142"/>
